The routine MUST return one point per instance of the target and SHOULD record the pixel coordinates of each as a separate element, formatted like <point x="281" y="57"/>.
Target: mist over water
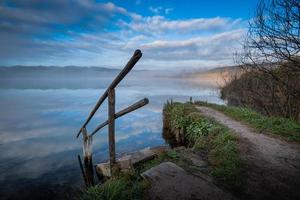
<point x="41" y="116"/>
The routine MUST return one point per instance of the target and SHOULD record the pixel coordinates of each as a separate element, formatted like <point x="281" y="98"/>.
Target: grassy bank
<point x="125" y="186"/>
<point x="205" y="136"/>
<point x="129" y="186"/>
<point x="210" y="138"/>
<point x="286" y="128"/>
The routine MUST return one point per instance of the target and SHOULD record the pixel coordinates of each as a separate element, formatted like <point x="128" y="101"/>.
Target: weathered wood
<point x="89" y="171"/>
<point x="87" y="142"/>
<point x="111" y="127"/>
<point x="82" y="170"/>
<point x="84" y="133"/>
<point x="133" y="107"/>
<point x="110" y="93"/>
<point x="129" y="109"/>
<point x="133" y="60"/>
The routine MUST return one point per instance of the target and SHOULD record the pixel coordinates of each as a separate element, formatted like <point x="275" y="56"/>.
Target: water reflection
<point x="38" y="148"/>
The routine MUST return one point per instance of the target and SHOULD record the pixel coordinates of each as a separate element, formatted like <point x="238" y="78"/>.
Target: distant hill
<point x="71" y="77"/>
<point x="212" y="77"/>
<point x="33" y="72"/>
<point x="223" y="69"/>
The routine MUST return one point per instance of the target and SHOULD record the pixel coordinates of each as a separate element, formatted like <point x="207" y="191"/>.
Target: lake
<point x="41" y="117"/>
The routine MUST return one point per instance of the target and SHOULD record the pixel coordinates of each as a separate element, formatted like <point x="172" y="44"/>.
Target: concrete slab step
<point x="169" y="182"/>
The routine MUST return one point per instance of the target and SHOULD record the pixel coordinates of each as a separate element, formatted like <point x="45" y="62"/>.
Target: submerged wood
<point x="82" y="170"/>
<point x="89" y="171"/>
<point x="133" y="60"/>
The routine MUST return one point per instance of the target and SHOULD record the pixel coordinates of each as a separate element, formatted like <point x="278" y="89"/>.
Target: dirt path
<point x="273" y="165"/>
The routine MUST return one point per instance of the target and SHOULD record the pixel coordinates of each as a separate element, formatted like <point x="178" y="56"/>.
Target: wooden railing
<point x="112" y="116"/>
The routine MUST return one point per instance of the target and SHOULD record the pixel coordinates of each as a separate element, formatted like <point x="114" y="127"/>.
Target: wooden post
<point x="88" y="161"/>
<point x="111" y="129"/>
<point x="133" y="60"/>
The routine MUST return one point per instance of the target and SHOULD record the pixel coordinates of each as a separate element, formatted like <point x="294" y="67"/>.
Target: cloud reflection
<point x="37" y="132"/>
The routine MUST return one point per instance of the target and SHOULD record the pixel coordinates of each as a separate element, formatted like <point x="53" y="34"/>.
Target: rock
<point x="164" y="170"/>
<point x="103" y="169"/>
<point x="169" y="182"/>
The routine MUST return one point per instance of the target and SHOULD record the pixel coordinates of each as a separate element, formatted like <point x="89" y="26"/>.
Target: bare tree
<point x="271" y="52"/>
<point x="274" y="34"/>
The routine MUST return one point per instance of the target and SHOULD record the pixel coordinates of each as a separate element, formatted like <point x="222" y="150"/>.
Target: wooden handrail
<point x="133" y="60"/>
<point x="129" y="109"/>
<point x="112" y="115"/>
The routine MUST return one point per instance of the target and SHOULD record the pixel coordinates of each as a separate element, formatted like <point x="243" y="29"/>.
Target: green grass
<point x="224" y="156"/>
<point x="129" y="186"/>
<point x="125" y="187"/>
<point x="287" y="128"/>
<point x="208" y="136"/>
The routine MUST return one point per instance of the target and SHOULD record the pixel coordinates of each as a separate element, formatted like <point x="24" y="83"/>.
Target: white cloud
<point x="168" y="10"/>
<point x="216" y="47"/>
<point x="160" y="10"/>
<point x="163" y="40"/>
<point x="156" y="10"/>
<point x="160" y="24"/>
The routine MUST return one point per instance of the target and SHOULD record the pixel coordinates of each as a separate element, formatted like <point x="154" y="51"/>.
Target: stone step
<point x="169" y="181"/>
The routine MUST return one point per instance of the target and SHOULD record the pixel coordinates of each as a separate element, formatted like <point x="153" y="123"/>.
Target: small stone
<point x="125" y="163"/>
<point x="103" y="169"/>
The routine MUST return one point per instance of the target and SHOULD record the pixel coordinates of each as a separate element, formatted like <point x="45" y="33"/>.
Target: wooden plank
<point x="133" y="60"/>
<point x="111" y="127"/>
<point x="129" y="109"/>
<point x="133" y="107"/>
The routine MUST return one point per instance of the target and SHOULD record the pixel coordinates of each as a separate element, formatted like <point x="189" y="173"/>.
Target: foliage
<point x="259" y="91"/>
<point x="177" y="113"/>
<point x="224" y="155"/>
<point x="197" y="128"/>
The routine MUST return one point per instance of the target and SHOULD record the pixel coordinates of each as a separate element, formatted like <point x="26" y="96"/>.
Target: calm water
<point x="38" y="148"/>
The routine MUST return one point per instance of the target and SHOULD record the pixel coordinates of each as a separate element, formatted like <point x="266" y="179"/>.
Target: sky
<point x="185" y="34"/>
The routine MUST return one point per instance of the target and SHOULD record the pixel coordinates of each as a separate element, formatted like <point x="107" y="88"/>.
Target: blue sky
<point x="187" y="34"/>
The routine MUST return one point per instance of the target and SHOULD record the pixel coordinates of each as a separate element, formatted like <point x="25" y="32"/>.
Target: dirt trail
<point x="273" y="165"/>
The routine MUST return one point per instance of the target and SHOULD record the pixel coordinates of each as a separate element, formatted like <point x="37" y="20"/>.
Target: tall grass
<point x="206" y="135"/>
<point x="125" y="187"/>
